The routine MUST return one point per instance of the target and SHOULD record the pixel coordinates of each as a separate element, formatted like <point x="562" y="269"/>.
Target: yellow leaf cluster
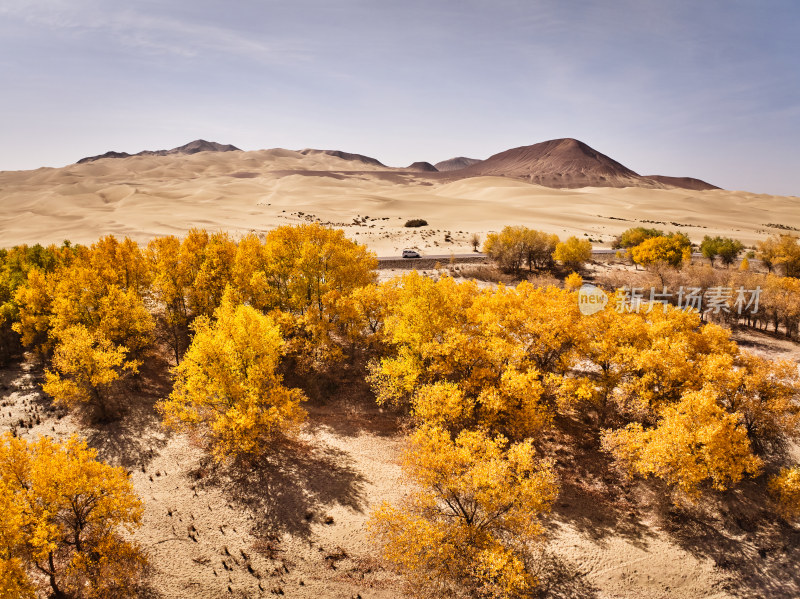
<point x="573" y="252"/>
<point x="462" y="356"/>
<point x="695" y="442"/>
<point x="100" y="288"/>
<point x="673" y="250"/>
<point x="785" y="489"/>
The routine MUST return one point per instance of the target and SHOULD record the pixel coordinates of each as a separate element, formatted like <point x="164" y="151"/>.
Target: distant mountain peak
<point x="455" y="164"/>
<point x="565" y="162"/>
<point x="201" y="145"/>
<point x="193" y="147"/>
<point x="684" y="182"/>
<point x="422" y="166"/>
<point x="343" y="156"/>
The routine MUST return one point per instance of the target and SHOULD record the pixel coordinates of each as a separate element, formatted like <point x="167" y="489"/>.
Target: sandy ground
<point x="256" y="191"/>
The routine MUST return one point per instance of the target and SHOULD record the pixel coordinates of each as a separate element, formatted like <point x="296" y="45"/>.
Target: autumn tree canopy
<point x="227" y="389"/>
<point x="64" y="515"/>
<point x="473" y="522"/>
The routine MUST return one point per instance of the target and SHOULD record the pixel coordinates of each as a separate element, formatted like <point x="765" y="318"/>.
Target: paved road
<point x="600" y="252"/>
<point x="434" y="256"/>
<point x="595" y="252"/>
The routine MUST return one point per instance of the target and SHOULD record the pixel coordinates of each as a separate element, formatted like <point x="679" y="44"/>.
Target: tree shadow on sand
<point x="561" y="579"/>
<point x="134" y="438"/>
<point x="744" y="538"/>
<point x="343" y="402"/>
<point x="594" y="499"/>
<point x="291" y="488"/>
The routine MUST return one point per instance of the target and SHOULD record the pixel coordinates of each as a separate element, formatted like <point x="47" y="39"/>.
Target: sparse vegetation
<point x="475" y="241"/>
<point x="634" y="236"/>
<point x="726" y="248"/>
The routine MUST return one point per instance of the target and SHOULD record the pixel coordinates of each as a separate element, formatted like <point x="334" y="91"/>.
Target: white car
<point x="411" y="254"/>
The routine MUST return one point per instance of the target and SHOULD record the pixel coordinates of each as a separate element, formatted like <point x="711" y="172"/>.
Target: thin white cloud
<point x="150" y="32"/>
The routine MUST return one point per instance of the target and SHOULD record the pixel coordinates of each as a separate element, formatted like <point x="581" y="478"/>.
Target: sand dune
<point x="144" y="196"/>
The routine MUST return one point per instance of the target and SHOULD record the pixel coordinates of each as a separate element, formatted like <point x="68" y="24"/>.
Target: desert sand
<point x="240" y="192"/>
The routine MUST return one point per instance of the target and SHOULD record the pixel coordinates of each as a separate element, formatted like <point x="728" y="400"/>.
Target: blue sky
<point x="708" y="89"/>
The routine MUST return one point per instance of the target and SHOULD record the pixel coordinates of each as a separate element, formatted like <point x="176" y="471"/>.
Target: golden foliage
<point x="573" y="252"/>
<point x="122" y="264"/>
<point x="87" y="292"/>
<point x="672" y="249"/>
<point x="86" y="366"/>
<point x="573" y="281"/>
<point x="464" y="356"/>
<point x="297" y="266"/>
<point x="514" y="246"/>
<point x="695" y="442"/>
<point x="781" y="251"/>
<point x="211" y="259"/>
<point x="63" y="513"/>
<point x="227" y="388"/>
<point x="312" y="273"/>
<point x="171" y="281"/>
<point x="785" y="490"/>
<point x="764" y="392"/>
<point x="35" y="300"/>
<point x="471" y="525"/>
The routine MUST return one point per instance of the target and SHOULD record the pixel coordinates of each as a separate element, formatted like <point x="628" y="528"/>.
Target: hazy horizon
<point x="705" y="90"/>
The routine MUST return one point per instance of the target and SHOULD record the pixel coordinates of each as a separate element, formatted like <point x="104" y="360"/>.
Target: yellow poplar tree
<point x="86" y="366"/>
<point x="227" y="388"/>
<point x="63" y="515"/>
<point x="170" y="285"/>
<point x="507" y="351"/>
<point x="120" y="263"/>
<point x="471" y="524"/>
<point x="35" y="301"/>
<point x="763" y="391"/>
<point x="671" y="360"/>
<point x="214" y="273"/>
<point x="695" y="443"/>
<point x="573" y="252"/>
<point x="672" y="249"/>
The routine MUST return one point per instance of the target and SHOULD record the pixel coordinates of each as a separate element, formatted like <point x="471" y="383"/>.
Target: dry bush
<point x="484" y="272"/>
<point x="416" y="222"/>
